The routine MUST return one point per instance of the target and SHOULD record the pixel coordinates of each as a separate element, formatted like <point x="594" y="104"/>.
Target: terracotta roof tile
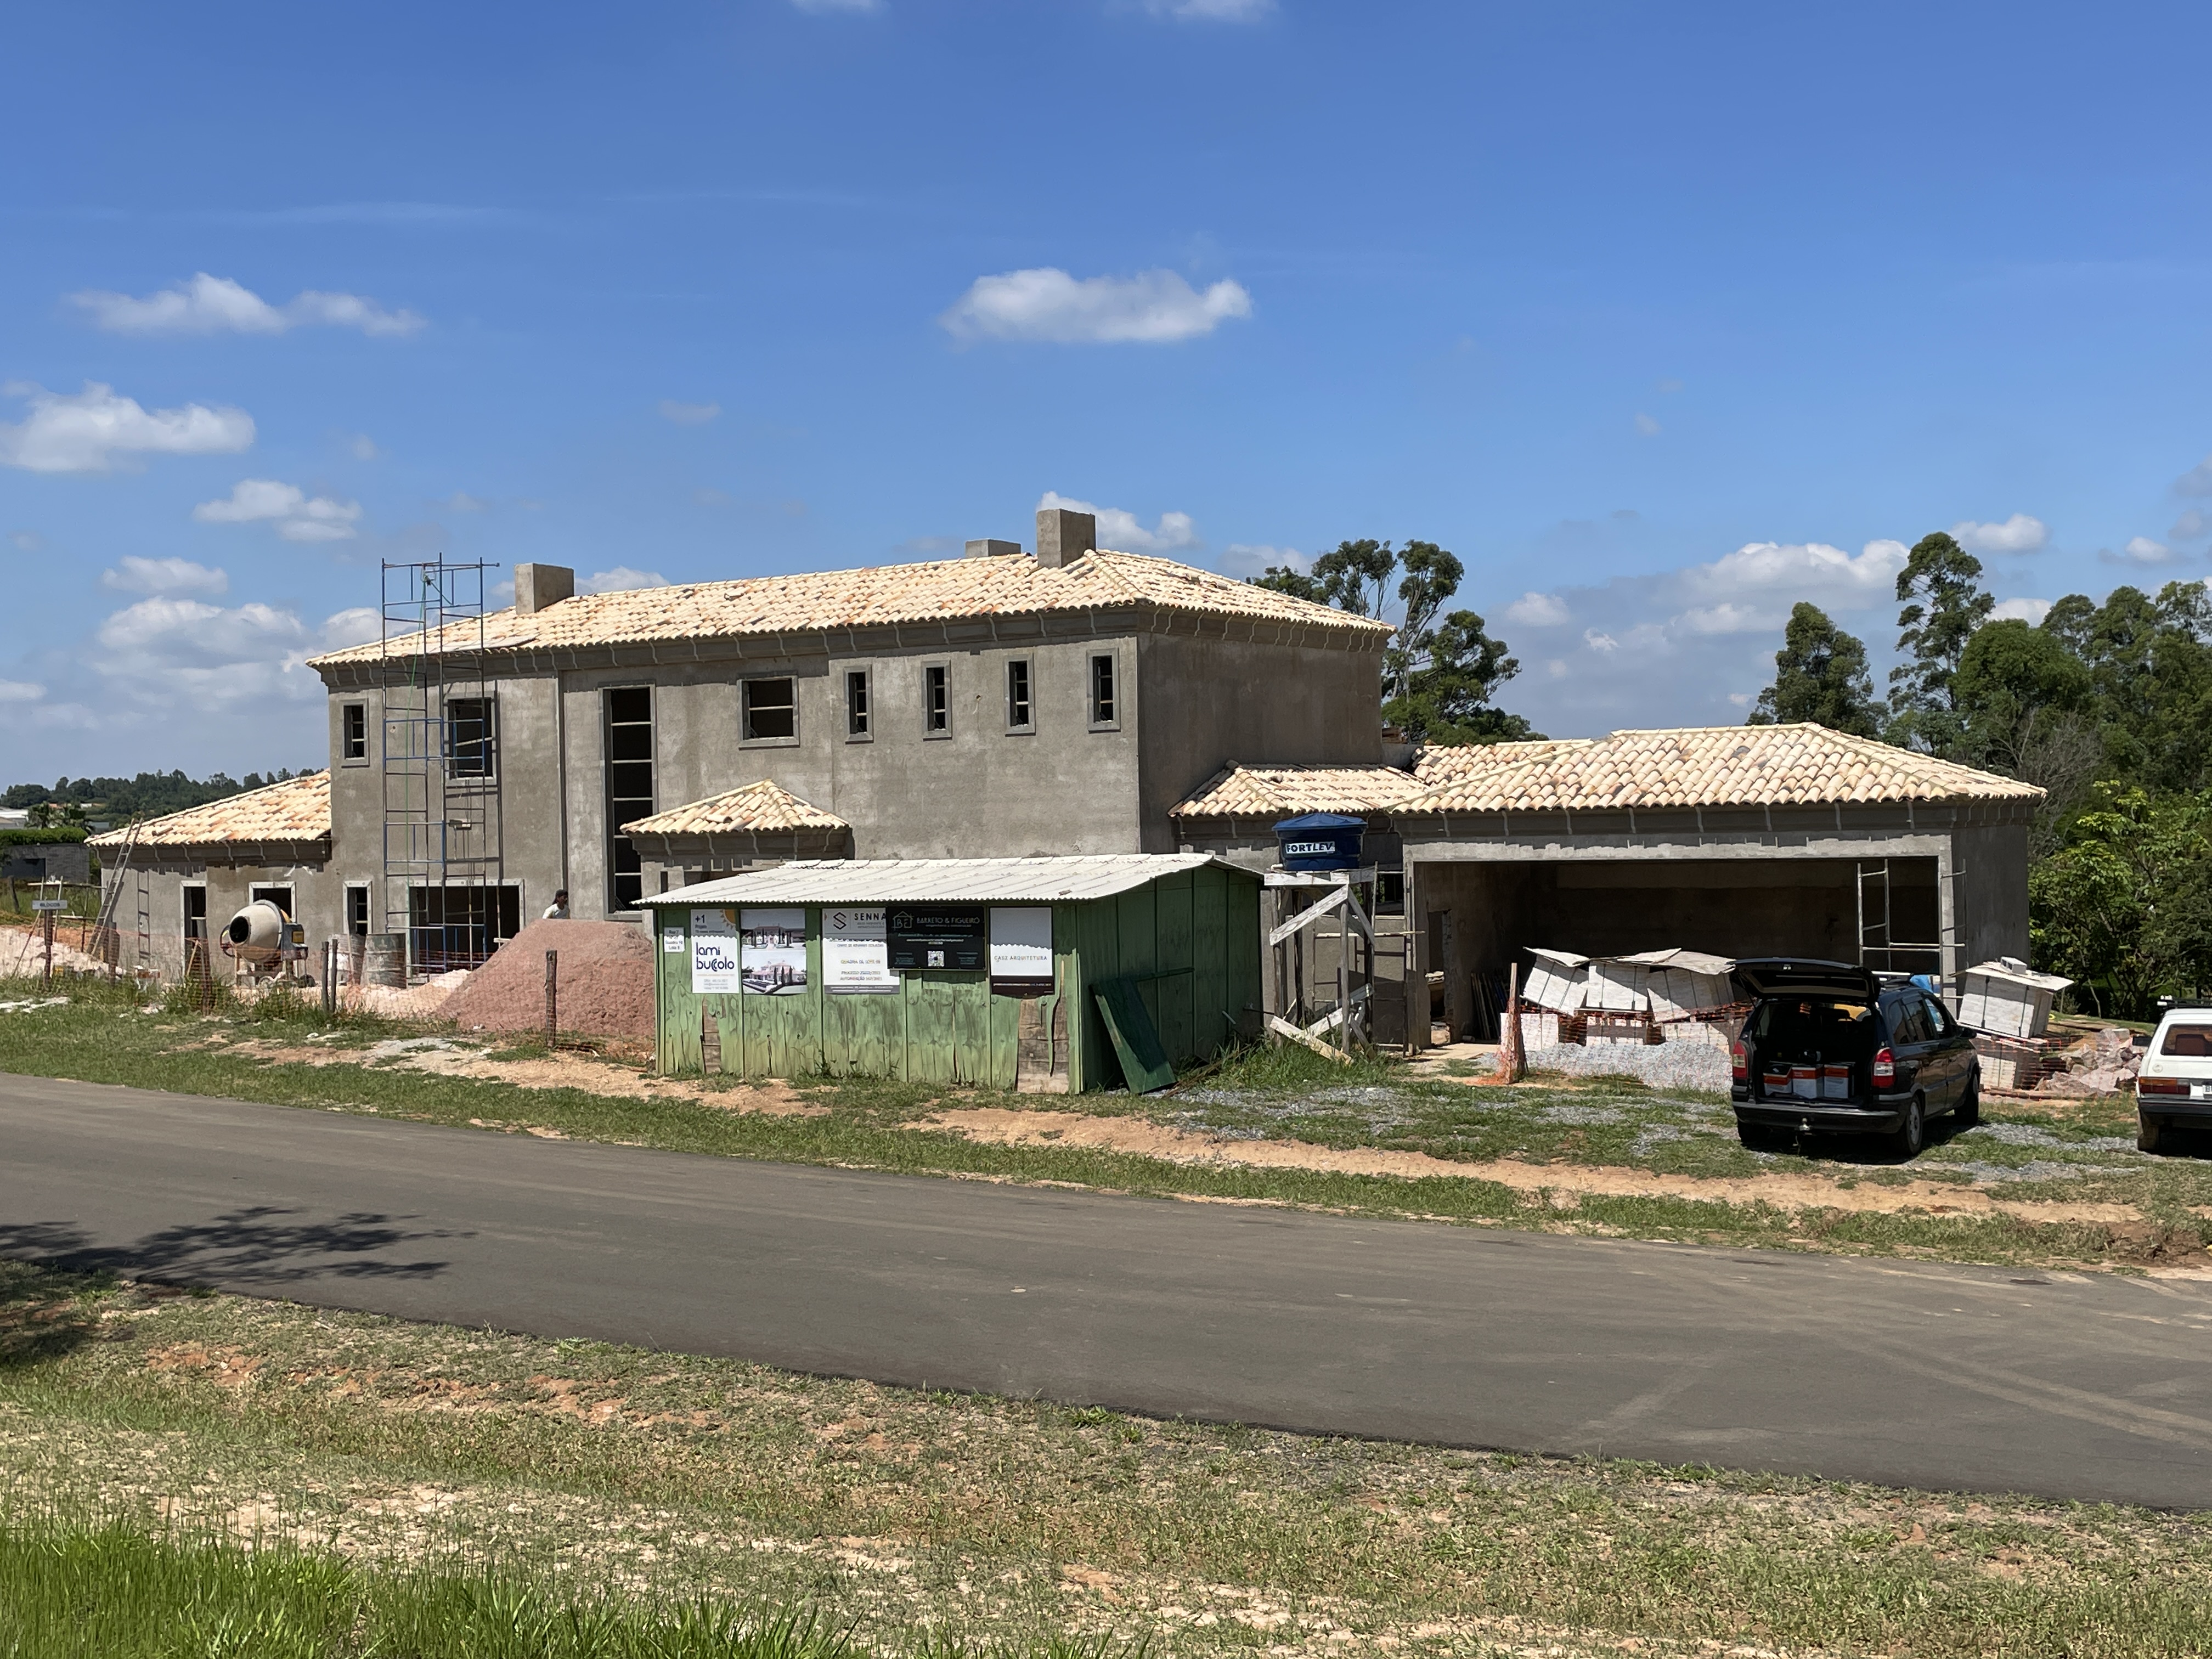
<point x="298" y="809"/>
<point x="1243" y="791"/>
<point x="765" y="806"/>
<point x="1707" y="766"/>
<point x="946" y="590"/>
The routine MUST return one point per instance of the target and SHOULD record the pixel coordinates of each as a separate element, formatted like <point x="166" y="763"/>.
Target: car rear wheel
<point x="1912" y="1134"/>
<point x="1968" y="1111"/>
<point x="2149" y="1131"/>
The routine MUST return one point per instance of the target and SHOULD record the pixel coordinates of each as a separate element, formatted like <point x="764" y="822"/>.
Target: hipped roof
<point x="762" y="807"/>
<point x="924" y="881"/>
<point x="296" y="809"/>
<point x="836" y="601"/>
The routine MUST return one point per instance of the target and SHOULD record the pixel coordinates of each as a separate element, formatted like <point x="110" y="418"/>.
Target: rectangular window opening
<point x="279" y="897"/>
<point x="936" y="702"/>
<point x="1019" y="715"/>
<point x="856" y="703"/>
<point x="771" y="709"/>
<point x="460" y="926"/>
<point x="1105" y="706"/>
<point x="357" y="911"/>
<point x="353" y="730"/>
<point x="196" y="913"/>
<point x="629" y="788"/>
<point x="470" y="742"/>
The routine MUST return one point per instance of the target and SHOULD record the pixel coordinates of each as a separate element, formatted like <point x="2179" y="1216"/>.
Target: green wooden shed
<point x="1045" y="974"/>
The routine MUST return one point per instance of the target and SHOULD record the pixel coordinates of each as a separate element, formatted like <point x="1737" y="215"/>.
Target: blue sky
<point x="1660" y="318"/>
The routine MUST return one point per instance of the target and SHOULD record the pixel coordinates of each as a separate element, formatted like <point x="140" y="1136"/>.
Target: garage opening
<point x="1482" y="916"/>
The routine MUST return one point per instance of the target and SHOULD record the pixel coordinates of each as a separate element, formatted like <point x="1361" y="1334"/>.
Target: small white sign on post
<point x="716" y="969"/>
<point x="671" y="941"/>
<point x="53" y="905"/>
<point x="855" y="953"/>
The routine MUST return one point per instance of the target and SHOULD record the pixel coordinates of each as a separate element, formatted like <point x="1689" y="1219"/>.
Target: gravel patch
<point x="1665" y="1066"/>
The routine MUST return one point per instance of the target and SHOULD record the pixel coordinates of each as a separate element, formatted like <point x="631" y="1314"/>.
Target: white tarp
<point x="1669" y="985"/>
<point x="1556" y="980"/>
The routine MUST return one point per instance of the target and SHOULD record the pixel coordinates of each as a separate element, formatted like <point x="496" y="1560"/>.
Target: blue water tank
<point x="1320" y="840"/>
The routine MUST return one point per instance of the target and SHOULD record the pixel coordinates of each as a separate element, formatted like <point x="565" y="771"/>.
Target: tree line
<point x="2105" y="706"/>
<point x="1442" y="668"/>
<point x="121" y="801"/>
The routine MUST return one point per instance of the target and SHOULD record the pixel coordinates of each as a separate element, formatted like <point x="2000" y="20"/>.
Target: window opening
<point x="1018" y="717"/>
<point x="279" y="897"/>
<point x="856" y="703"/>
<point x="353" y="732"/>
<point x="936" y="702"/>
<point x="460" y="927"/>
<point x="195" y="913"/>
<point x="356" y="915"/>
<point x="629" y="788"/>
<point x="771" y="709"/>
<point x="1103" y="705"/>
<point x="469" y="743"/>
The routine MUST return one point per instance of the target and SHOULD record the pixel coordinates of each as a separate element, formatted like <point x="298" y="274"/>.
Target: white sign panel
<point x="856" y="956"/>
<point x="1021" y="948"/>
<point x="671" y="940"/>
<point x="775" y="952"/>
<point x="714" y="965"/>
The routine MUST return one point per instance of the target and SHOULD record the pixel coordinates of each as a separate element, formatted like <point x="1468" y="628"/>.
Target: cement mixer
<point x="258" y="934"/>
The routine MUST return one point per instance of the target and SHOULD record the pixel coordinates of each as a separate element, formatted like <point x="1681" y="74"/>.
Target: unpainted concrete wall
<point x="318" y="905"/>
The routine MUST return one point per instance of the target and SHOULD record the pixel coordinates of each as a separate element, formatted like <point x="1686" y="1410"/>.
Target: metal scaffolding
<point x="444" y="843"/>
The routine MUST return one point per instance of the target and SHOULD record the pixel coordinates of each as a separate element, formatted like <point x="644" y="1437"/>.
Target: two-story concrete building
<point x="614" y="745"/>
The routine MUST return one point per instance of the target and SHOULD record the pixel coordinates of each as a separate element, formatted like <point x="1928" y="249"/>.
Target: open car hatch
<point x="1804" y="977"/>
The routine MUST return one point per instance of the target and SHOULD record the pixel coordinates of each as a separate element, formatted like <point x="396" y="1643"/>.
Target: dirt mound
<point x="605" y="981"/>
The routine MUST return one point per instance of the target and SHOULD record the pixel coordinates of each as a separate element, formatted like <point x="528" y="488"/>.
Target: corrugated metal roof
<point x="1706" y="766"/>
<point x="922" y="881"/>
<point x="298" y="809"/>
<point x="758" y="807"/>
<point x="946" y="590"/>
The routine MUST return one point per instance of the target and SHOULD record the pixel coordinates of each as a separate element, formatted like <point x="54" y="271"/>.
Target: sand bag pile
<point x="605" y="981"/>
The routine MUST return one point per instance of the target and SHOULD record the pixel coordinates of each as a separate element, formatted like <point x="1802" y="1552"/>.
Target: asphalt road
<point x="2069" y="1385"/>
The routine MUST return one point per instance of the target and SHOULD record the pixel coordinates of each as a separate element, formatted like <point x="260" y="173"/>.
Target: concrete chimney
<point x="1064" y="537"/>
<point x="537" y="586"/>
<point x="993" y="549"/>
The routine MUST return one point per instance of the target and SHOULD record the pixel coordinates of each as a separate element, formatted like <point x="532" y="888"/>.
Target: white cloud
<point x="2198" y="481"/>
<point x="170" y="651"/>
<point x="2189" y="527"/>
<point x="1647" y="427"/>
<point x="683" y="414"/>
<point x="1537" y="610"/>
<point x="1724" y="619"/>
<point x="1803" y="570"/>
<point x="20" y="691"/>
<point x="1246" y="560"/>
<point x="1669" y="384"/>
<point x="297" y="516"/>
<point x="1598" y="641"/>
<point x="2140" y="550"/>
<point x="216" y="305"/>
<point x="1120" y="533"/>
<point x="355" y="627"/>
<point x="139" y="575"/>
<point x="1211" y="11"/>
<point x="2031" y="611"/>
<point x="363" y="448"/>
<point x="1152" y="307"/>
<point x="93" y="430"/>
<point x="619" y="579"/>
<point x="461" y="501"/>
<point x="26" y="541"/>
<point x="2021" y="533"/>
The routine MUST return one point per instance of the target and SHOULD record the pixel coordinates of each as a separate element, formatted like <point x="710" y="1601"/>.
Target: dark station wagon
<point x="1833" y="1048"/>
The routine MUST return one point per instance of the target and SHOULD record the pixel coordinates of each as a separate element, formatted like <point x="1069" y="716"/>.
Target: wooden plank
<point x="1173" y="901"/>
<point x="1283" y="1028"/>
<point x="1211" y="1009"/>
<point x="1307" y="917"/>
<point x="971" y="1028"/>
<point x="1136" y="1043"/>
<point x="1099" y="942"/>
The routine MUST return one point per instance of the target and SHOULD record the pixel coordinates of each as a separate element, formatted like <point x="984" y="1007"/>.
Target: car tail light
<point x="1739" y="1061"/>
<point x="2162" y="1086"/>
<point x="1885" y="1067"/>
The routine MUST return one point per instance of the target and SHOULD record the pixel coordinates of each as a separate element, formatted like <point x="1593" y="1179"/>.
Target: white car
<point x="2174" y="1090"/>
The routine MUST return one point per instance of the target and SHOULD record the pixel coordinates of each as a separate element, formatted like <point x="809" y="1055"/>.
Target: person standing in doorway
<point x="558" y="910"/>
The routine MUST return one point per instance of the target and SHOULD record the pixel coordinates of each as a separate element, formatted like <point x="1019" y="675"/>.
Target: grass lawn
<point x="412" y="1463"/>
<point x="2049" y="1185"/>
